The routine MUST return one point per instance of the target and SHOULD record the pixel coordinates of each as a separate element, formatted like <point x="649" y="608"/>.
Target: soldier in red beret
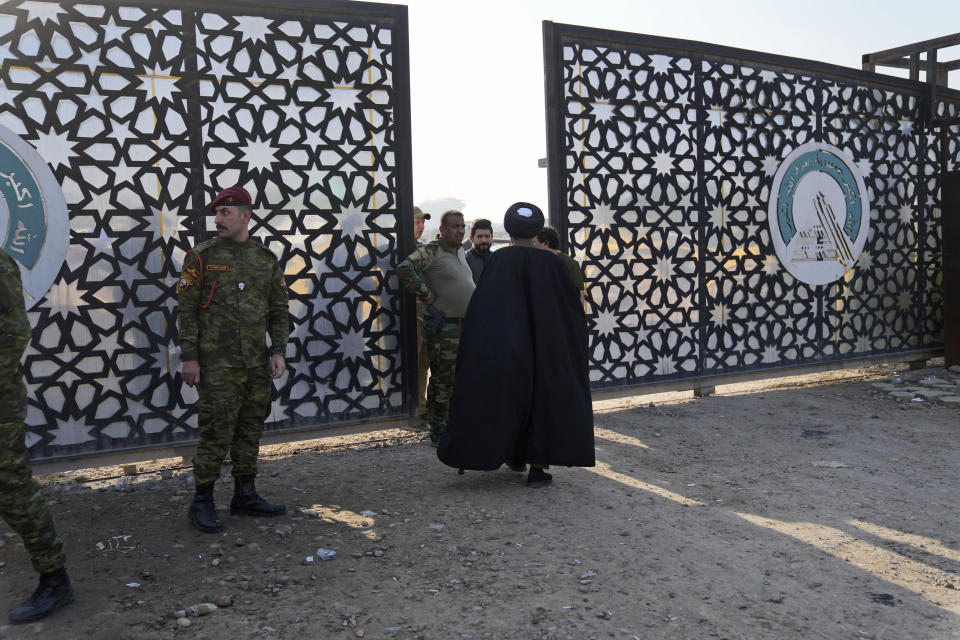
<point x="231" y="295"/>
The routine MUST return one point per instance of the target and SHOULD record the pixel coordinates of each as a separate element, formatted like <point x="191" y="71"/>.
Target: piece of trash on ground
<point x="115" y="543"/>
<point x="325" y="554"/>
<point x="196" y="610"/>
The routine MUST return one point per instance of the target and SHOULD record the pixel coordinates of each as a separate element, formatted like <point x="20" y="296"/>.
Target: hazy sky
<point x="477" y="71"/>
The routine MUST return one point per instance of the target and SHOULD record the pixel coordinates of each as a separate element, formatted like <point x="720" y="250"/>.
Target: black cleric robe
<point x="522" y="389"/>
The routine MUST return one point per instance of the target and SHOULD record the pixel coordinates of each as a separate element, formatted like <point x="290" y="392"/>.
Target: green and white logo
<point x="34" y="227"/>
<point x="818" y="212"/>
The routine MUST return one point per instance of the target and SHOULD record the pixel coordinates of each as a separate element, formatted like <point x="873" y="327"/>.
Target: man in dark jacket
<point x="522" y="391"/>
<point x="481" y="239"/>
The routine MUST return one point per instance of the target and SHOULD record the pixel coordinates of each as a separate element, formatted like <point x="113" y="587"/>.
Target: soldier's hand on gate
<point x="277" y="365"/>
<point x="191" y="372"/>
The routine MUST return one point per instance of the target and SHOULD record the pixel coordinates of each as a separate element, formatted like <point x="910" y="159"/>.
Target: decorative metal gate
<point x="144" y="110"/>
<point x="662" y="155"/>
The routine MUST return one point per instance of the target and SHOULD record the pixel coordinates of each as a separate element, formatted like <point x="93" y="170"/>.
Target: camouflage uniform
<point x="442" y="352"/>
<point x="231" y="295"/>
<point x="441" y="346"/>
<point x="423" y="362"/>
<point x="423" y="366"/>
<point x="21" y="503"/>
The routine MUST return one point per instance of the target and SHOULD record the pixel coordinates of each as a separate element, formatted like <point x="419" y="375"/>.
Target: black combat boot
<point x="53" y="592"/>
<point x="246" y="502"/>
<point x="202" y="513"/>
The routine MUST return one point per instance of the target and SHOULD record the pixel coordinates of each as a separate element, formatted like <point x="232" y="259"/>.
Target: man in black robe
<point x="522" y="391"/>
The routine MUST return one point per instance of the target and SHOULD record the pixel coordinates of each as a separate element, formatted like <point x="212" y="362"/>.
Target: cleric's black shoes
<point x="538" y="477"/>
<point x="246" y="502"/>
<point x="516" y="465"/>
<point x="202" y="513"/>
<point x="53" y="592"/>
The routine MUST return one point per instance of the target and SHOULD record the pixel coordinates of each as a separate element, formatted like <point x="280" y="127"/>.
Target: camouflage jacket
<point x="14" y="326"/>
<point x="420" y="303"/>
<point x="410" y="272"/>
<point x="231" y="295"/>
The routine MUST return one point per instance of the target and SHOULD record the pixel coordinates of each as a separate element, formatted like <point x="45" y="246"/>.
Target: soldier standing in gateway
<point x="438" y="275"/>
<point x="423" y="360"/>
<point x="231" y="295"/>
<point x="548" y="238"/>
<point x="21" y="503"/>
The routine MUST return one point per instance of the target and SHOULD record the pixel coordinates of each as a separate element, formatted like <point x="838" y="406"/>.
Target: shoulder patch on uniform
<point x="188" y="276"/>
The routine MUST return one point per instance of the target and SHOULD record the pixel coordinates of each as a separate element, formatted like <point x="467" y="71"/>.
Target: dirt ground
<point x="809" y="507"/>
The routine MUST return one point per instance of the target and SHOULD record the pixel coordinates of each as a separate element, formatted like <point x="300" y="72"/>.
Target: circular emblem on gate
<point x="34" y="227"/>
<point x="819" y="214"/>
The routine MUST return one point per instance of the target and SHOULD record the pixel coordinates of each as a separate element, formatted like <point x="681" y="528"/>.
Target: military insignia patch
<point x="217" y="267"/>
<point x="187" y="277"/>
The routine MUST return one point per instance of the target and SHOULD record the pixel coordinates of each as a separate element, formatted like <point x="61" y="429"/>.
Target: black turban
<point x="523" y="220"/>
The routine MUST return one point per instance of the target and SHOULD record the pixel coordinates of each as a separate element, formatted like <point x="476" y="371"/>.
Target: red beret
<point x="232" y="196"/>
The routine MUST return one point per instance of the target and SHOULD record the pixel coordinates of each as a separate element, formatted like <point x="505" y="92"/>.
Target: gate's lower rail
<point x="700" y="386"/>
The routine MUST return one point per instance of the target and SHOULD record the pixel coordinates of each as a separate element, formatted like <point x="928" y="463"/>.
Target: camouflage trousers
<point x="233" y="403"/>
<point x="22" y="505"/>
<point x="442" y="351"/>
<point x="423" y="366"/>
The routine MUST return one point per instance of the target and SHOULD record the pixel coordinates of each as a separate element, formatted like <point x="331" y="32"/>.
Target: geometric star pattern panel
<point x="667" y="153"/>
<point x="143" y="113"/>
